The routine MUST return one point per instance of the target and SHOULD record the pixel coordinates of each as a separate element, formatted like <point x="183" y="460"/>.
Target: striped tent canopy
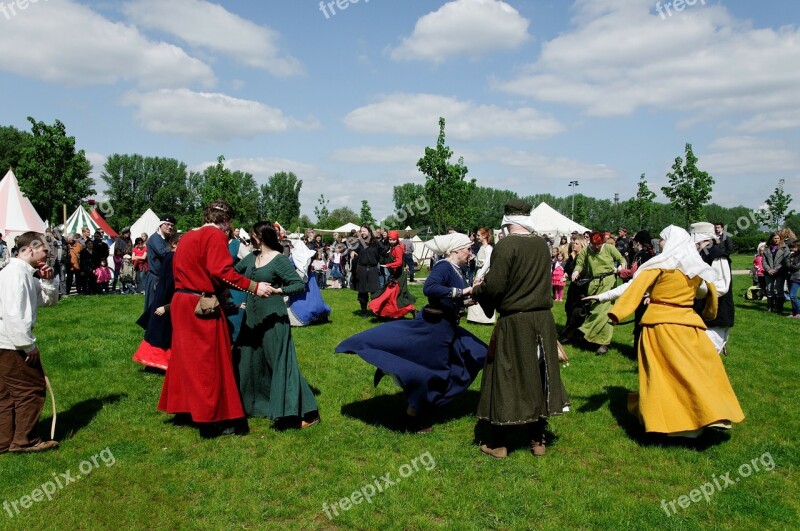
<point x="111" y="233"/>
<point x="79" y="219"/>
<point x="17" y="214"/>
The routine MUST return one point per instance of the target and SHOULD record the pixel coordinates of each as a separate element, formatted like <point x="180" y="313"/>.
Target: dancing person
<point x="430" y="357"/>
<point x="776" y="255"/>
<point x="366" y="258"/>
<point x="200" y="385"/>
<point x="157" y="249"/>
<point x="22" y="378"/>
<point x="268" y="375"/>
<point x="394" y="301"/>
<point x="597" y="260"/>
<point x="521" y="382"/>
<point x="408" y="255"/>
<point x="307" y="307"/>
<point x="155" y="349"/>
<point x="573" y="307"/>
<point x="683" y="386"/>
<point x="483" y="260"/>
<point x="712" y="253"/>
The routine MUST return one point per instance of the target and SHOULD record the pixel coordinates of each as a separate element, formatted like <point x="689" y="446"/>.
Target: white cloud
<point x="772" y="121"/>
<point x="67" y="43"/>
<point x="464" y="27"/>
<point x="539" y="166"/>
<point x="418" y="114"/>
<point x="621" y="56"/>
<point x="750" y="156"/>
<point x="208" y="116"/>
<point x="210" y="26"/>
<point x="407" y="155"/>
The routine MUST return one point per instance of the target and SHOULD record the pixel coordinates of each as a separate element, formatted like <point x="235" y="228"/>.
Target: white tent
<point x="346" y="228"/>
<point x="148" y="223"/>
<point x="421" y="252"/>
<point x="547" y="220"/>
<point x="17" y="214"/>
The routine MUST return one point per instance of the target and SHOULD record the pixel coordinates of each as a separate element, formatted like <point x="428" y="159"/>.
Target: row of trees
<point x="52" y="172"/>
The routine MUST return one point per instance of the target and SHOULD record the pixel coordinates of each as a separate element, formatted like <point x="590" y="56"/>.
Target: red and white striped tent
<point x="17" y="214"/>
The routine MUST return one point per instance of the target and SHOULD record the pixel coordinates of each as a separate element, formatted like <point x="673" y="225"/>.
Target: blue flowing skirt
<point x="433" y="359"/>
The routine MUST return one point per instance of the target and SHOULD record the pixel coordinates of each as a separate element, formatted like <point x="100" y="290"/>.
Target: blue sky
<point x="535" y="93"/>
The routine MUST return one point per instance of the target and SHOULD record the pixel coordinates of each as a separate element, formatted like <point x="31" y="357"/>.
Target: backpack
<point x="126" y="272"/>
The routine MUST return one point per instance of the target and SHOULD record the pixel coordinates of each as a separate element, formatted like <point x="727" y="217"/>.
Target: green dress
<point x="519" y="386"/>
<point x="597" y="329"/>
<point x="269" y="377"/>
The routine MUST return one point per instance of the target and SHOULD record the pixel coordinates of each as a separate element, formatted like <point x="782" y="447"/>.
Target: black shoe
<point x="417" y="424"/>
<point x="379" y="374"/>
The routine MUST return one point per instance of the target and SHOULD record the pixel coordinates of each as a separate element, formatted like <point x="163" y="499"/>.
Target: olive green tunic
<point x="517" y="386"/>
<point x="269" y="377"/>
<point x="596" y="329"/>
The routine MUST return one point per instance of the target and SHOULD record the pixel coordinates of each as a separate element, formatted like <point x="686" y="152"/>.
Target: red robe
<point x="200" y="379"/>
<point x="385" y="304"/>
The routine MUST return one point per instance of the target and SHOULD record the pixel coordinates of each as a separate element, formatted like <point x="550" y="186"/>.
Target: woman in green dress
<point x="269" y="377"/>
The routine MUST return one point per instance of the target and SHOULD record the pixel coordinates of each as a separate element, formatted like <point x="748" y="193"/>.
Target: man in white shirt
<point x="22" y="382"/>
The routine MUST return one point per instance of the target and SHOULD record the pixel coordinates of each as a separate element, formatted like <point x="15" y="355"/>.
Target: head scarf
<point x="702" y="232"/>
<point x="394" y="235"/>
<point x="643" y="237"/>
<point x="301" y="255"/>
<point x="444" y="245"/>
<point x="679" y="252"/>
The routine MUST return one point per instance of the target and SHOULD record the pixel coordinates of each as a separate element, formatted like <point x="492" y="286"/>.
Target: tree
<point x="689" y="188"/>
<point x="411" y="206"/>
<point x="365" y="216"/>
<point x="486" y="206"/>
<point x="303" y="222"/>
<point x="218" y="182"/>
<point x="321" y="211"/>
<point x="280" y="198"/>
<point x="446" y="189"/>
<point x="640" y="207"/>
<point x="12" y="142"/>
<point x="777" y="209"/>
<point x="342" y="215"/>
<point x="136" y="183"/>
<point x="51" y="172"/>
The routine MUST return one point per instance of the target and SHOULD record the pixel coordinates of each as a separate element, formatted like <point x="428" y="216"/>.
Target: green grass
<point x="600" y="471"/>
<point x="741" y="261"/>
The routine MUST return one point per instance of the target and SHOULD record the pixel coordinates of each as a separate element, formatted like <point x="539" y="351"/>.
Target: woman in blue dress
<point x="432" y="358"/>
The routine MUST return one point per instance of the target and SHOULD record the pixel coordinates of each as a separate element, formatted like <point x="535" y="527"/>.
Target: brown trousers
<point x="22" y="392"/>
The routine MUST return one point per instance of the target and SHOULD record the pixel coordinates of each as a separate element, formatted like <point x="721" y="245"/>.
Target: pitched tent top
<point x="547" y="220"/>
<point x="79" y="219"/>
<point x="17" y="214"/>
<point x="147" y="223"/>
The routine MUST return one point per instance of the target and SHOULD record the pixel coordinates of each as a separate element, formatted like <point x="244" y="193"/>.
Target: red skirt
<point x="200" y="379"/>
<point x="151" y="356"/>
<point x="385" y="304"/>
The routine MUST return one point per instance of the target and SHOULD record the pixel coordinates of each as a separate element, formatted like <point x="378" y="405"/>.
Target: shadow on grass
<point x="389" y="411"/>
<point x="618" y="405"/>
<point x="78" y="416"/>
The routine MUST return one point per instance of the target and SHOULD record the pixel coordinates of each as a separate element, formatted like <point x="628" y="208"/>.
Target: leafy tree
<point x="689" y="188"/>
<point x="51" y="172"/>
<point x="342" y="215"/>
<point x="322" y="212"/>
<point x="640" y="207"/>
<point x="12" y="142"/>
<point x="280" y="198"/>
<point x="136" y="183"/>
<point x="411" y="206"/>
<point x="365" y="217"/>
<point x="446" y="189"/>
<point x="486" y="206"/>
<point x="303" y="223"/>
<point x="236" y="187"/>
<point x="777" y="207"/>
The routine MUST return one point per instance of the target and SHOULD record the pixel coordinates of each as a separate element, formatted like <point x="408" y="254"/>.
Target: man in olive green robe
<point x="521" y="380"/>
<point x="598" y="261"/>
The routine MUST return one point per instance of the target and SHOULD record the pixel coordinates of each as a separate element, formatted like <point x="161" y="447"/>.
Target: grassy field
<point x="123" y="464"/>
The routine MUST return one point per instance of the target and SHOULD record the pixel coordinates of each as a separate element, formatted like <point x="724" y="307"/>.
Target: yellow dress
<point x="683" y="385"/>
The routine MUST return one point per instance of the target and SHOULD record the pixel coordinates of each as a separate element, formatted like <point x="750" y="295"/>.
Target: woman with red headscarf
<point x="395" y="300"/>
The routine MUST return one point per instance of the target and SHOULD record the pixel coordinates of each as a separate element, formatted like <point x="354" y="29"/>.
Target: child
<point x="336" y="267"/>
<point x="127" y="275"/>
<point x="758" y="270"/>
<point x="559" y="278"/>
<point x="318" y="267"/>
<point x="102" y="276"/>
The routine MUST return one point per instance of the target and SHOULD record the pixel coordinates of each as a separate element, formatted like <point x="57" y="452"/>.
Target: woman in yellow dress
<point x="683" y="386"/>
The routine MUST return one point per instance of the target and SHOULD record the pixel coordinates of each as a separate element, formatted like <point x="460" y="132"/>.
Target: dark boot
<point x="496" y="446"/>
<point x="538" y="438"/>
<point x="769" y="304"/>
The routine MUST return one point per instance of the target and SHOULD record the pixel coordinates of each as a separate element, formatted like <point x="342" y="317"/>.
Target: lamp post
<point x="573" y="184"/>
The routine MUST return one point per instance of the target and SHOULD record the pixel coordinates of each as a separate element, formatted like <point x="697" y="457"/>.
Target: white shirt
<point x="20" y="296"/>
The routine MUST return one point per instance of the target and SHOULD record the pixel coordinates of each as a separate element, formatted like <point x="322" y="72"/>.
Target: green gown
<point x="269" y="377"/>
<point x="597" y="329"/>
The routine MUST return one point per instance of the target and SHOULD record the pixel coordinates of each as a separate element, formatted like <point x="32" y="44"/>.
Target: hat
<point x="394" y="235"/>
<point x="126" y="229"/>
<point x="642" y="237"/>
<point x="446" y="244"/>
<point x="517" y="207"/>
<point x="167" y="219"/>
<point x="702" y="231"/>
